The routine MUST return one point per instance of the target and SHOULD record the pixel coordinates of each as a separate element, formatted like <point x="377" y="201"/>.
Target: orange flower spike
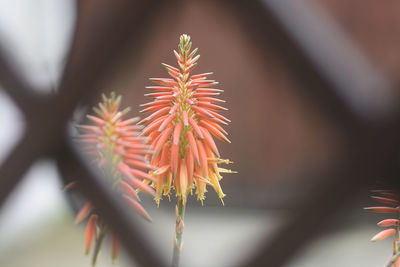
<point x="190" y="122"/>
<point x="120" y="153"/>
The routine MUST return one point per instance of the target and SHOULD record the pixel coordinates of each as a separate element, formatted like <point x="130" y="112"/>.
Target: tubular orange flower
<point x="119" y="152"/>
<point x="184" y="118"/>
<point x="390" y="198"/>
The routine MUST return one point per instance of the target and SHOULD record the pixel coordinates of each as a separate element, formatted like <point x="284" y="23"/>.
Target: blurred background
<point x="279" y="138"/>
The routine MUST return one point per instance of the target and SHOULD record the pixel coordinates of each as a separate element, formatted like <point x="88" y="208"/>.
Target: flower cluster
<point x="391" y="201"/>
<point x="184" y="118"/>
<point x="119" y="151"/>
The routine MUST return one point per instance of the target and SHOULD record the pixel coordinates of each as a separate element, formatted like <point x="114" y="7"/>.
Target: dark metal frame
<point x="349" y="91"/>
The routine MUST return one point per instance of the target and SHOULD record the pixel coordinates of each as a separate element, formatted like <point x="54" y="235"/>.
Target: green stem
<point x="393" y="260"/>
<point x="180" y="213"/>
<point x="99" y="240"/>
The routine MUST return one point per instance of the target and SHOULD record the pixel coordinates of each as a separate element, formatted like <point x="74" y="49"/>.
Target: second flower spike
<point x="116" y="147"/>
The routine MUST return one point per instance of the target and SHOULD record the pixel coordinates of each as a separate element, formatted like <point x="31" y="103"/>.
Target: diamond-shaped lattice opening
<point x="37" y="37"/>
<point x="12" y="125"/>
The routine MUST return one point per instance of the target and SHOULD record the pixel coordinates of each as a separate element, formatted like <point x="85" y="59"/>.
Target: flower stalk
<point x="179" y="227"/>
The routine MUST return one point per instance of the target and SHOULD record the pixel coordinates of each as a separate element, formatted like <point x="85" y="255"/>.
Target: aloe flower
<point x="119" y="151"/>
<point x="181" y="128"/>
<point x="391" y="201"/>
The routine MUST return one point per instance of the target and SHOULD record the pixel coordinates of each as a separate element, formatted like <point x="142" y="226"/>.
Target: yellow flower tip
<point x="167" y="194"/>
<point x="223" y="203"/>
<point x="223" y="170"/>
<point x="219" y="160"/>
<point x="157" y="200"/>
